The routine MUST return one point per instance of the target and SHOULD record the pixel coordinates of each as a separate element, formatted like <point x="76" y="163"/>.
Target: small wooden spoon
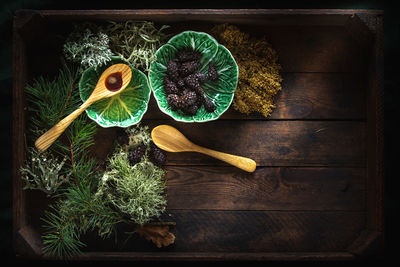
<point x="170" y="139"/>
<point x="99" y="92"/>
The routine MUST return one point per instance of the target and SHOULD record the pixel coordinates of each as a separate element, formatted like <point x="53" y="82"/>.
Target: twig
<point x="68" y="97"/>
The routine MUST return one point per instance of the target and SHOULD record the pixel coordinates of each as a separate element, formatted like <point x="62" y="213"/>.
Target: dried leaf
<point x="158" y="234"/>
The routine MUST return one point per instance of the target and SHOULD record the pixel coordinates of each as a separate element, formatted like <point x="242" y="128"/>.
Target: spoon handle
<point x="243" y="163"/>
<point x="48" y="138"/>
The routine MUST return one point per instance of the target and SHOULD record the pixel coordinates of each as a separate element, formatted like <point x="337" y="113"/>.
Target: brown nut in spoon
<point x="111" y="82"/>
<point x="170" y="139"/>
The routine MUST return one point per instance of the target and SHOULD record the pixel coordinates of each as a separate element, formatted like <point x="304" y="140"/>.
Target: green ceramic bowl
<point x="122" y="110"/>
<point x="221" y="93"/>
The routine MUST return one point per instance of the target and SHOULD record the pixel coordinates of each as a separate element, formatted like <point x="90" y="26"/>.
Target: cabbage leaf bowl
<point x="220" y="92"/>
<point x="121" y="110"/>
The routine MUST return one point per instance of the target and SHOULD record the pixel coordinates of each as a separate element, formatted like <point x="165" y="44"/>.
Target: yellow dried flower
<point x="259" y="79"/>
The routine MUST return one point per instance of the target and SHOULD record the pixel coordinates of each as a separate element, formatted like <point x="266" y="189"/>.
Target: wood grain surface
<point x="275" y="143"/>
<point x="281" y="188"/>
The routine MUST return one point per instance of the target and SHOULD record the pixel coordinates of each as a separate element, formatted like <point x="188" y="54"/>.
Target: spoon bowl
<point x="124" y="75"/>
<point x="101" y="91"/>
<point x="170" y="139"/>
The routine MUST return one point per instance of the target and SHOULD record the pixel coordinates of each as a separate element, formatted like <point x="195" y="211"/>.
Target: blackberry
<point x="170" y="86"/>
<point x="192" y="82"/>
<point x="188" y="54"/>
<point x="209" y="105"/>
<point x="183" y="83"/>
<point x="180" y="83"/>
<point x="173" y="70"/>
<point x="191" y="110"/>
<point x="189" y="98"/>
<point x="201" y="77"/>
<point x="188" y="67"/>
<point x="174" y="101"/>
<point x="157" y="156"/>
<point x="136" y="154"/>
<point x="200" y="100"/>
<point x="212" y="73"/>
<point x="199" y="90"/>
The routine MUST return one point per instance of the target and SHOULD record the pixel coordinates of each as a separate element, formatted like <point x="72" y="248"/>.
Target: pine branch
<point x="51" y="99"/>
<point x="77" y="212"/>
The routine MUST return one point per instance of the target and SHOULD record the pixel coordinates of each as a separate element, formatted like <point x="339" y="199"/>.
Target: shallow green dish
<point x="122" y="110"/>
<point x="221" y="93"/>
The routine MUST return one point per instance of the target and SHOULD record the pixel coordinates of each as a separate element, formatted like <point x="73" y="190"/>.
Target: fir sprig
<point x="74" y="214"/>
<point x="51" y="99"/>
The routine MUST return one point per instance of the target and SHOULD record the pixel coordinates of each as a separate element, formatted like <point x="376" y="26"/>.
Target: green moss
<point x="136" y="191"/>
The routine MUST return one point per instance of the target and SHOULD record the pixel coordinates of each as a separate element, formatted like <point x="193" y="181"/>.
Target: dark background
<point x="391" y="50"/>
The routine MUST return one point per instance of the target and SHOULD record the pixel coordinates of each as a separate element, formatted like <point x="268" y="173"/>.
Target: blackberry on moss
<point x="156" y="155"/>
<point x="135" y="155"/>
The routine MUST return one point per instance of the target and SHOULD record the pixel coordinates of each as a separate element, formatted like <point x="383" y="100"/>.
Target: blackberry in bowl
<point x="193" y="78"/>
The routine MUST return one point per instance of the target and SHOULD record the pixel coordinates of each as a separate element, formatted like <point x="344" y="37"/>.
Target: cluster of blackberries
<point x="156" y="155"/>
<point x="183" y="83"/>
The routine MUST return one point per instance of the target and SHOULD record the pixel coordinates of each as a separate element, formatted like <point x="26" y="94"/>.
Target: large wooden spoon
<point x="111" y="82"/>
<point x="170" y="139"/>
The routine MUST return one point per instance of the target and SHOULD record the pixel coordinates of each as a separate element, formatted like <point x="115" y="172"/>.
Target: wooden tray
<point x="318" y="189"/>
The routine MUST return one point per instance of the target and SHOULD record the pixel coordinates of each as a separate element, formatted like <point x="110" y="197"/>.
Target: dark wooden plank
<point x="266" y="16"/>
<point x="257" y="231"/>
<point x="316" y="49"/>
<point x="250" y="231"/>
<point x="321" y="96"/>
<point x="268" y="231"/>
<point x="218" y="256"/>
<point x="375" y="133"/>
<point x="275" y="143"/>
<point x="226" y="188"/>
<point x="312" y="48"/>
<point x="18" y="138"/>
<point x="305" y="96"/>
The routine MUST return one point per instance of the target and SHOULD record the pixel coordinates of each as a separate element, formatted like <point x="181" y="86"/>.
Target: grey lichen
<point x="138" y="135"/>
<point x="43" y="171"/>
<point x="88" y="48"/>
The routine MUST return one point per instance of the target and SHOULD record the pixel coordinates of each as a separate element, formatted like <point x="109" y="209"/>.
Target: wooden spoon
<point x="170" y="139"/>
<point x="120" y="74"/>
